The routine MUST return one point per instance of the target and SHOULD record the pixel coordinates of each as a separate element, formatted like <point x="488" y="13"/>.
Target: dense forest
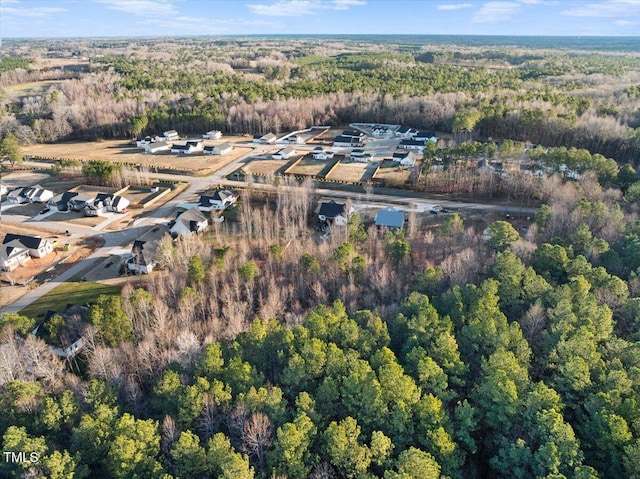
<point x="437" y="351"/>
<point x="99" y="88"/>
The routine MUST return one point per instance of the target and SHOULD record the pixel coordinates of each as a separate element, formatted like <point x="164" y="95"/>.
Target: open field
<point x="68" y="293"/>
<point x="123" y="151"/>
<point x="309" y="166"/>
<point x="16" y="179"/>
<point x="264" y="167"/>
<point x="353" y="172"/>
<point x="31" y="87"/>
<point x="392" y="174"/>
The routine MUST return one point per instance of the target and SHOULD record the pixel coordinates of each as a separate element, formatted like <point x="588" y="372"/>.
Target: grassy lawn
<point x="68" y="293"/>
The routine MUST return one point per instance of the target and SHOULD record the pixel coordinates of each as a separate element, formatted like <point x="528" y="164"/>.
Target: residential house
<point x="406" y="132"/>
<point x="484" y="167"/>
<point x="405" y="158"/>
<point x="61" y="201"/>
<point x="142" y="142"/>
<point x="267" y="139"/>
<point x="390" y="218"/>
<point x="336" y="213"/>
<point x="411" y="145"/>
<point x="106" y="202"/>
<point x="220" y="200"/>
<point x="347" y="141"/>
<point x="12" y="255"/>
<point x="170" y="135"/>
<point x="212" y="135"/>
<point x="381" y="131"/>
<point x="70" y="341"/>
<point x="426" y="136"/>
<point x="294" y="140"/>
<point x="359" y="155"/>
<point x="320" y="153"/>
<point x="144" y="256"/>
<point x="157" y="147"/>
<point x="30" y="194"/>
<point x="352" y="134"/>
<point x="285" y="153"/>
<point x="188" y="148"/>
<point x="189" y="222"/>
<point x="36" y="246"/>
<point x="80" y="201"/>
<point x="221" y="149"/>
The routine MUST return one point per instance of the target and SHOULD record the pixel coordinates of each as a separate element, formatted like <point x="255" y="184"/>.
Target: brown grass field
<point x="393" y="174"/>
<point x="264" y="167"/>
<point x="123" y="151"/>
<point x="309" y="166"/>
<point x="352" y="172"/>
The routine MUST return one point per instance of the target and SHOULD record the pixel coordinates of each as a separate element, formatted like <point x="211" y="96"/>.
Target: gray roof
<point x="390" y="217"/>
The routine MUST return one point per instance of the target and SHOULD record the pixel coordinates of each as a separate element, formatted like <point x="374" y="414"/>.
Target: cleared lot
<point x="353" y="172"/>
<point x="264" y="167"/>
<point x="122" y="151"/>
<point x="392" y="174"/>
<point x="310" y="167"/>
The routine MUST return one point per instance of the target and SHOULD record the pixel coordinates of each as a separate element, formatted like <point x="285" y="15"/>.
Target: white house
<point x="188" y="148"/>
<point x="336" y="213"/>
<point x="189" y="222"/>
<point x="170" y="135"/>
<point x="411" y="145"/>
<point x="157" y="147"/>
<point x="406" y="132"/>
<point x="346" y="141"/>
<point x="36" y="246"/>
<point x="12" y="255"/>
<point x="320" y="153"/>
<point x="269" y="138"/>
<point x="144" y="256"/>
<point x="30" y="194"/>
<point x="106" y="202"/>
<point x="220" y="200"/>
<point x="221" y="149"/>
<point x="426" y="136"/>
<point x="285" y="153"/>
<point x="405" y="158"/>
<point x="212" y="135"/>
<point x="294" y="140"/>
<point x="142" y="142"/>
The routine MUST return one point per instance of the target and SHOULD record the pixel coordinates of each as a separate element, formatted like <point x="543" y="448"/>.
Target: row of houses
<point x="89" y="203"/>
<point x="29" y="194"/>
<point x="17" y="249"/>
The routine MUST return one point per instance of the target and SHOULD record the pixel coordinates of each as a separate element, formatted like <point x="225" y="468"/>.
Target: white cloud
<point x="31" y="12"/>
<point x="626" y="23"/>
<point x="142" y="7"/>
<point x="299" y="8"/>
<point x="610" y="9"/>
<point x="492" y="12"/>
<point x="454" y="6"/>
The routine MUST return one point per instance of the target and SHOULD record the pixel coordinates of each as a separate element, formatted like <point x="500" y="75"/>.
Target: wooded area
<point x="260" y="350"/>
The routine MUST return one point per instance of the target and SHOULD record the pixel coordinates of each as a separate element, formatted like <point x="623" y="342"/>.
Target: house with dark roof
<point x="144" y="256"/>
<point x="157" y="147"/>
<point x="80" y="201"/>
<point x="106" y="202"/>
<point x="12" y="255"/>
<point x="390" y="218"/>
<point x="405" y="158"/>
<point x="335" y="213"/>
<point x="212" y="135"/>
<point x="188" y="148"/>
<point x="30" y="194"/>
<point x="61" y="201"/>
<point x="69" y="340"/>
<point x="189" y="222"/>
<point x="220" y="200"/>
<point x="426" y="136"/>
<point x="142" y="142"/>
<point x="406" y="132"/>
<point x="347" y="141"/>
<point x="36" y="246"/>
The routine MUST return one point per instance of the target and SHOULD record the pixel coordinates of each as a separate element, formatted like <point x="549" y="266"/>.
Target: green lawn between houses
<point x="68" y="293"/>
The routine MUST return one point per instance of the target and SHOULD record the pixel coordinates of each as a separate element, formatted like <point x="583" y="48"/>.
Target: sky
<point x="102" y="18"/>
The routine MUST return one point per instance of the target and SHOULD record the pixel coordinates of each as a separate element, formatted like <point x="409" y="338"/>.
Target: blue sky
<point x="82" y="18"/>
